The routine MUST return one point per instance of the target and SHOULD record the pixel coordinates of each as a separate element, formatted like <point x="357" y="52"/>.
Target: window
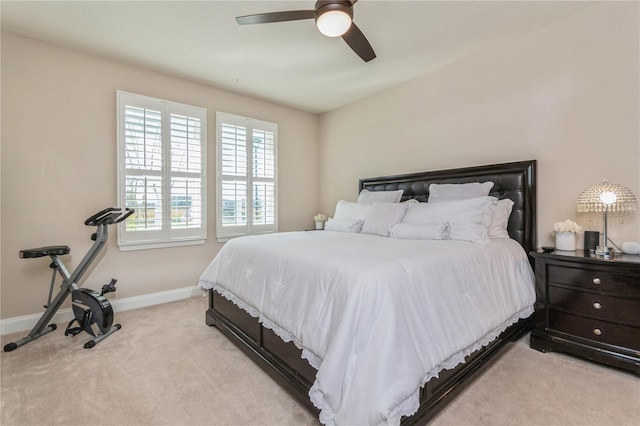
<point x="246" y="176"/>
<point x="161" y="172"/>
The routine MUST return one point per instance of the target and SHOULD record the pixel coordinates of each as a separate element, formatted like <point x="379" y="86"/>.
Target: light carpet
<point x="167" y="367"/>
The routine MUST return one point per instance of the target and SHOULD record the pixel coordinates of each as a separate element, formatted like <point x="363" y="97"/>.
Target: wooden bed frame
<point x="283" y="361"/>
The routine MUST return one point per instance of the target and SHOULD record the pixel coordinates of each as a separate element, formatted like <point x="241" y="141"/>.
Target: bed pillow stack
<point x="349" y="217"/>
<point x="452" y="192"/>
<point x="374" y="213"/>
<point x="466" y="220"/>
<point x="457" y="212"/>
<point x="501" y="211"/>
<point x="475" y="209"/>
<point x="454" y="211"/>
<point x="386" y="210"/>
<point x="382" y="217"/>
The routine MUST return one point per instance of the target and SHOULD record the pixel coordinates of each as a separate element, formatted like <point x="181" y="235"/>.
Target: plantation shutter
<point x="161" y="173"/>
<point x="143" y="165"/>
<point x="247" y="192"/>
<point x="187" y="201"/>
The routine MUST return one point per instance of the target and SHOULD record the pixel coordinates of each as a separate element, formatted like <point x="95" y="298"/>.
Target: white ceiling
<point x="290" y="63"/>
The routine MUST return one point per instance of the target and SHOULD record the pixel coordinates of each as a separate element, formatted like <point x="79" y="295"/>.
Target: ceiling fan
<point x="334" y="18"/>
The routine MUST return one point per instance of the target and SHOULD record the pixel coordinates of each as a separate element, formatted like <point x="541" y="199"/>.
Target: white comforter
<point x="378" y="317"/>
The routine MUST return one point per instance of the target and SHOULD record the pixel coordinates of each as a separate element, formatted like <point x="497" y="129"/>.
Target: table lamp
<point x="608" y="198"/>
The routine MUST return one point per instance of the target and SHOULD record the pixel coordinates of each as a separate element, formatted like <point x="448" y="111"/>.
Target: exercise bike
<point x="91" y="309"/>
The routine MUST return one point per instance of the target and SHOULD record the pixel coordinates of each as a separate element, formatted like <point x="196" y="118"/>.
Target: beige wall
<point x="566" y="95"/>
<point x="59" y="166"/>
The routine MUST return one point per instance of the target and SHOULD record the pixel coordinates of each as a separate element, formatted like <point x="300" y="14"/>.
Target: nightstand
<point x="588" y="307"/>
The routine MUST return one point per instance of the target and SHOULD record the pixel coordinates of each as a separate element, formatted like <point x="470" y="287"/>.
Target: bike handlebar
<point x="109" y="216"/>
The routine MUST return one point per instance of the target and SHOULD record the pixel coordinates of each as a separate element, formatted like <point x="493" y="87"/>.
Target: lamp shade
<point x="607" y="197"/>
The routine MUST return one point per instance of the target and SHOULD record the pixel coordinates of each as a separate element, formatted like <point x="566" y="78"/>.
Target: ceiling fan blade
<point x="359" y="43"/>
<point x="265" y="18"/>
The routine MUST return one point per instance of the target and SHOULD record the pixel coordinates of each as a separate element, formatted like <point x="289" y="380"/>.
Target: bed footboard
<point x="284" y="363"/>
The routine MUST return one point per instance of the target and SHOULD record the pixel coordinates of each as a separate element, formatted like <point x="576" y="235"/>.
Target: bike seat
<point x="44" y="251"/>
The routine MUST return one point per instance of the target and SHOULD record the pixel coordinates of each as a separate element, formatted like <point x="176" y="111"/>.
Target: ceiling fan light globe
<point x="333" y="23"/>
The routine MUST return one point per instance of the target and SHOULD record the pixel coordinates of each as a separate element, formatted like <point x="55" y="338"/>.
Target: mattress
<point x="377" y="317"/>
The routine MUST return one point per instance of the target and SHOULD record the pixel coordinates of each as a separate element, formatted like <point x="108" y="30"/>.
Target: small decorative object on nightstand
<point x="591" y="241"/>
<point x="565" y="235"/>
<point x="589" y="307"/>
<point x="630" y="247"/>
<point x="320" y="219"/>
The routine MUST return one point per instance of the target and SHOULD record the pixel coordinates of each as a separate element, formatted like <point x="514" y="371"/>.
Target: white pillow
<point x="382" y="217"/>
<point x="469" y="219"/>
<point x="343" y="225"/>
<point x="370" y="197"/>
<point x="439" y="192"/>
<point x="500" y="219"/>
<point x="423" y="231"/>
<point x="346" y="210"/>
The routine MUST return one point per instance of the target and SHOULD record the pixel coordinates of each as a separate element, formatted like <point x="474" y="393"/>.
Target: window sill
<point x="166" y="244"/>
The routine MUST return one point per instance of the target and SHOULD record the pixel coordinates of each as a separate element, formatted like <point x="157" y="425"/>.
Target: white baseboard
<point x="26" y="322"/>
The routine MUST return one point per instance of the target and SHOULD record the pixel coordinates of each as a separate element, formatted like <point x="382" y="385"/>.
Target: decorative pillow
<point x="469" y="219"/>
<point x="346" y="210"/>
<point x="423" y="231"/>
<point x="382" y="217"/>
<point x="439" y="192"/>
<point x="343" y="225"/>
<point x="500" y="219"/>
<point x="370" y="197"/>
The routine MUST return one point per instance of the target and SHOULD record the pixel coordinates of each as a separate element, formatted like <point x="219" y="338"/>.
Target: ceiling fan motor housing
<point x="324" y="6"/>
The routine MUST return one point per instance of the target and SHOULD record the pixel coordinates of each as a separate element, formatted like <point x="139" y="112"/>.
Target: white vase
<point x="566" y="241"/>
<point x="320" y="225"/>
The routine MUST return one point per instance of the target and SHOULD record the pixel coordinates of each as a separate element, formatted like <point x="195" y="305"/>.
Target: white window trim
<point x="228" y="233"/>
<point x="165" y="238"/>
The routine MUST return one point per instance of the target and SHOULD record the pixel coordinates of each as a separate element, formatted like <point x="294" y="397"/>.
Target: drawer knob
<point x="597" y="331"/>
<point x="596" y="281"/>
<point x="597" y="305"/>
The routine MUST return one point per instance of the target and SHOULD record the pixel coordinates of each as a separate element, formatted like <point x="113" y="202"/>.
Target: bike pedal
<point x="73" y="331"/>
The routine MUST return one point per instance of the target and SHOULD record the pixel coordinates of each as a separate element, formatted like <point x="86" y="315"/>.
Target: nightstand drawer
<point x="609" y="308"/>
<point x="594" y="279"/>
<point x="597" y="330"/>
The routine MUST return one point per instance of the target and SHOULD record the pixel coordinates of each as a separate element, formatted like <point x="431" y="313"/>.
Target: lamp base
<point x="604" y="252"/>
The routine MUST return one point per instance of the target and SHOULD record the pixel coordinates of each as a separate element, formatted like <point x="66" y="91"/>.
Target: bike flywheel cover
<point x="99" y="310"/>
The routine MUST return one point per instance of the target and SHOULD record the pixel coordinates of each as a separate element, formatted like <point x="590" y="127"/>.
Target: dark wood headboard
<point x="516" y="181"/>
